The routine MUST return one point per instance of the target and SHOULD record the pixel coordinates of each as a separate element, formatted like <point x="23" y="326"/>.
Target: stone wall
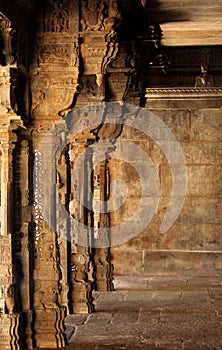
<point x="192" y="245"/>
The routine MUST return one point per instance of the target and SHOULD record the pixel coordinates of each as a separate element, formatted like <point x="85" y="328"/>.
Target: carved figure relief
<point x="89" y="87"/>
<point x="75" y="54"/>
<point x="92" y="15"/>
<point x="114" y="16"/>
<point x="204" y="79"/>
<point x="41" y="297"/>
<point x="56" y="18"/>
<point x="100" y="15"/>
<point x="7" y="301"/>
<point x="54" y="55"/>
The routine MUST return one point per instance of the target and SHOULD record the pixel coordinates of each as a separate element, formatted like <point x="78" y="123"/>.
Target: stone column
<point x="55" y="68"/>
<point x="63" y="193"/>
<point x="49" y="313"/>
<point x="107" y="135"/>
<point x="102" y="262"/>
<point x="22" y="240"/>
<point x="81" y="255"/>
<point x="9" y="318"/>
<point x="98" y="49"/>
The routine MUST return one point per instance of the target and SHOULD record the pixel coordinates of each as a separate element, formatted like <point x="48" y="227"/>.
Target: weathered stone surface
<point x="123" y="266"/>
<point x="176" y="262"/>
<point x="203" y="180"/>
<point x="180" y="236"/>
<point x="206" y="125"/>
<point x="195" y="153"/>
<point x="177" y="120"/>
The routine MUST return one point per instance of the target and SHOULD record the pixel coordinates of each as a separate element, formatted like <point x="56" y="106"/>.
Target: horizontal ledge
<point x="181" y="93"/>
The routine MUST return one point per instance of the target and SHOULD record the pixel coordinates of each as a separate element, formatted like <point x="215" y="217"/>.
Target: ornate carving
<point x="56" y="55"/>
<point x="100" y="15"/>
<point x="183" y="92"/>
<point x="81" y="274"/>
<point x="56" y="17"/>
<point x="5" y="101"/>
<point x="9" y="320"/>
<point x="49" y="328"/>
<point x="7" y="32"/>
<point x="9" y="329"/>
<point x="38" y="194"/>
<point x="98" y="54"/>
<point x="114" y="16"/>
<point x="92" y="15"/>
<point x="53" y="94"/>
<point x="7" y="301"/>
<point x="81" y="285"/>
<point x="205" y="79"/>
<point x="89" y="86"/>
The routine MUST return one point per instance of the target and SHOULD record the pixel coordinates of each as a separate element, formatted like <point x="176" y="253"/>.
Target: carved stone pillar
<point x="49" y="313"/>
<point x="103" y="268"/>
<point x="102" y="150"/>
<point x="81" y="255"/>
<point x="22" y="240"/>
<point x="99" y="23"/>
<point x="9" y="318"/>
<point x="63" y="192"/>
<point x="54" y="79"/>
<point x="99" y="46"/>
<point x="55" y="70"/>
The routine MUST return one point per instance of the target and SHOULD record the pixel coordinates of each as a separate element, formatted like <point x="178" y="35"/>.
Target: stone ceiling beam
<point x="191" y="34"/>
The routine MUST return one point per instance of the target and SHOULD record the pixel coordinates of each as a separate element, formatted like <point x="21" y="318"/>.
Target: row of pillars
<point x="45" y="274"/>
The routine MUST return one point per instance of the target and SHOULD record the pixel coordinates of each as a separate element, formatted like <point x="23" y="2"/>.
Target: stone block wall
<point x="193" y="244"/>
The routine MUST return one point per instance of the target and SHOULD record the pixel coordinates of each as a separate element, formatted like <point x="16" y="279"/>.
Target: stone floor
<point x="163" y="313"/>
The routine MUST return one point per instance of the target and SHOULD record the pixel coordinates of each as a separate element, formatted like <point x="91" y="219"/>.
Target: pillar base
<point x="9" y="327"/>
<point x="82" y="300"/>
<point x="49" y="328"/>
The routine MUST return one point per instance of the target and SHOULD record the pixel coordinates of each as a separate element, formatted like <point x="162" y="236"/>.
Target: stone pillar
<point x="55" y="68"/>
<point x="102" y="262"/>
<point x="81" y="255"/>
<point x="22" y="239"/>
<point x="98" y="49"/>
<point x="9" y="318"/>
<point x="62" y="187"/>
<point x="107" y="135"/>
<point x="49" y="314"/>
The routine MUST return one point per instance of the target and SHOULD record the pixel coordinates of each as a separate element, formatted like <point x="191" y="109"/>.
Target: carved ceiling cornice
<point x="183" y="93"/>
